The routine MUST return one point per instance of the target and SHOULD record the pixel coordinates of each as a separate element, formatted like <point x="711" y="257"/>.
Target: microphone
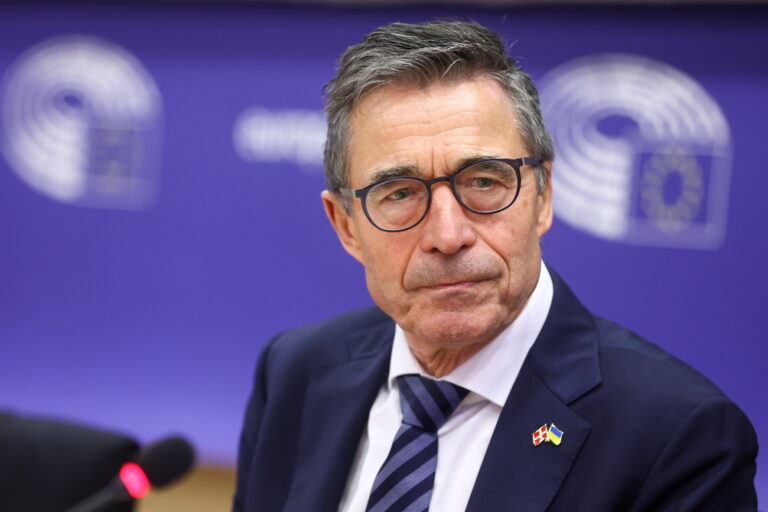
<point x="158" y="465"/>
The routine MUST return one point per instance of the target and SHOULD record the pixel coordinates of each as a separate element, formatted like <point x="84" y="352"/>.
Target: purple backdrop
<point x="144" y="309"/>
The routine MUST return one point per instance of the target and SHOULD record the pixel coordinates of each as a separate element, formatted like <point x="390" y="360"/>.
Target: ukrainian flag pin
<point x="555" y="435"/>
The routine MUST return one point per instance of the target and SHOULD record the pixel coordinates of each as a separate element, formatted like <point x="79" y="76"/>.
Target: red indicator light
<point x="134" y="480"/>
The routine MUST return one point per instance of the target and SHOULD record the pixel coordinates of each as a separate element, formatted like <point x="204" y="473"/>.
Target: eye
<point x="482" y="182"/>
<point x="487" y="176"/>
<point x="396" y="192"/>
<point x="400" y="194"/>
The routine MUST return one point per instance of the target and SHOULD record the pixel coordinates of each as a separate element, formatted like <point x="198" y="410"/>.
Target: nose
<point x="446" y="228"/>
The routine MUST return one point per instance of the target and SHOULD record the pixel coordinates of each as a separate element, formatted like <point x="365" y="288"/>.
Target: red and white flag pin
<point x="540" y="435"/>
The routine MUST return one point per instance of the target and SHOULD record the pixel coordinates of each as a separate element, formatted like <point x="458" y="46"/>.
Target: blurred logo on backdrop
<point x="643" y="152"/>
<point x="290" y="135"/>
<point x="81" y="121"/>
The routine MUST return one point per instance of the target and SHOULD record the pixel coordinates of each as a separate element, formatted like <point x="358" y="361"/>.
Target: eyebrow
<point x="401" y="171"/>
<point x="398" y="171"/>
<point x="476" y="158"/>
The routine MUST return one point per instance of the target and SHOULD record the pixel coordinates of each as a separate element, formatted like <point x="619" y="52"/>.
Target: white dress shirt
<point x="464" y="438"/>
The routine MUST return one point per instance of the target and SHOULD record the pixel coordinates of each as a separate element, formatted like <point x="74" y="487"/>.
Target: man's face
<point x="458" y="277"/>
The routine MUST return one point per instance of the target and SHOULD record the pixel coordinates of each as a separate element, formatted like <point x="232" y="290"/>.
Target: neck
<point x="438" y="362"/>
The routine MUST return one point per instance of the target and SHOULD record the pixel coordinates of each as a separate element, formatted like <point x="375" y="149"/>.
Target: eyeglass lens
<point x="485" y="187"/>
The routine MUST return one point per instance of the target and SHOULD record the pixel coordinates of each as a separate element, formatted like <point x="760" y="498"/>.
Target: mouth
<point x="454" y="285"/>
<point x="451" y="275"/>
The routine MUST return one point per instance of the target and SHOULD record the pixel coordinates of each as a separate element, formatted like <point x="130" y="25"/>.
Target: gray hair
<point x="421" y="55"/>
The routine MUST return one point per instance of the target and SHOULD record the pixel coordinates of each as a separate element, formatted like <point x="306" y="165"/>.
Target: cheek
<point x="516" y="241"/>
<point x="512" y="232"/>
<point x="385" y="263"/>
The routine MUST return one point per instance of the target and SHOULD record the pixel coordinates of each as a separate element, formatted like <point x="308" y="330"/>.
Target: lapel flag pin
<point x="547" y="435"/>
<point x="555" y="435"/>
<point x="540" y="435"/>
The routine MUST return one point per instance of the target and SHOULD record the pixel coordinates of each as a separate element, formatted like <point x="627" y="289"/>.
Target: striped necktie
<point x="405" y="480"/>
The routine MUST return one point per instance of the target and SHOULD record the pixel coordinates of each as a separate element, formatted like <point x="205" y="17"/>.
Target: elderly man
<point x="480" y="382"/>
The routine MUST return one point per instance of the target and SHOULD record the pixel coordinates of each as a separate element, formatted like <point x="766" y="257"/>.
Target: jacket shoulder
<point x="333" y="340"/>
<point x="643" y="369"/>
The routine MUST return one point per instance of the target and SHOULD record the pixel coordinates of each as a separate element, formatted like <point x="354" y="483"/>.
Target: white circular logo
<point x="643" y="152"/>
<point x="81" y="122"/>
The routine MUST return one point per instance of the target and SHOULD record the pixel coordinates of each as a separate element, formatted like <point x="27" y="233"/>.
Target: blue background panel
<point x="150" y="320"/>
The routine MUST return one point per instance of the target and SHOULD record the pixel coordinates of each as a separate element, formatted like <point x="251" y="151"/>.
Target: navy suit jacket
<point x="642" y="430"/>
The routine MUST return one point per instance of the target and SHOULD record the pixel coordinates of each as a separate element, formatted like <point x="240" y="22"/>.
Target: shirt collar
<point x="492" y="371"/>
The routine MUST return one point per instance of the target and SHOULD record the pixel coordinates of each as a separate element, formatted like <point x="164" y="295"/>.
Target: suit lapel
<point x="561" y="367"/>
<point x="335" y="414"/>
<point x="515" y="474"/>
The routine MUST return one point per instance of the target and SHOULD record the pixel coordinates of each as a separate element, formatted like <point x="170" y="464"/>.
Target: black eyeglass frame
<point x="362" y="193"/>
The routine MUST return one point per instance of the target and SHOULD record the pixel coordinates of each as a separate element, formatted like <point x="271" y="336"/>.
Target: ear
<point x="343" y="223"/>
<point x="544" y="209"/>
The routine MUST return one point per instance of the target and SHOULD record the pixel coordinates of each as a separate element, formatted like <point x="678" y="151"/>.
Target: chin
<point x="458" y="328"/>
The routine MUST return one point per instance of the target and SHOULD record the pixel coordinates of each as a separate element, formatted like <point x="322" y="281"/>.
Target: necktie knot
<point x="426" y="403"/>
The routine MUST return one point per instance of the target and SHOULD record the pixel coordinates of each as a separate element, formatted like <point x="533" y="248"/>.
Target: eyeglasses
<point x="484" y="187"/>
